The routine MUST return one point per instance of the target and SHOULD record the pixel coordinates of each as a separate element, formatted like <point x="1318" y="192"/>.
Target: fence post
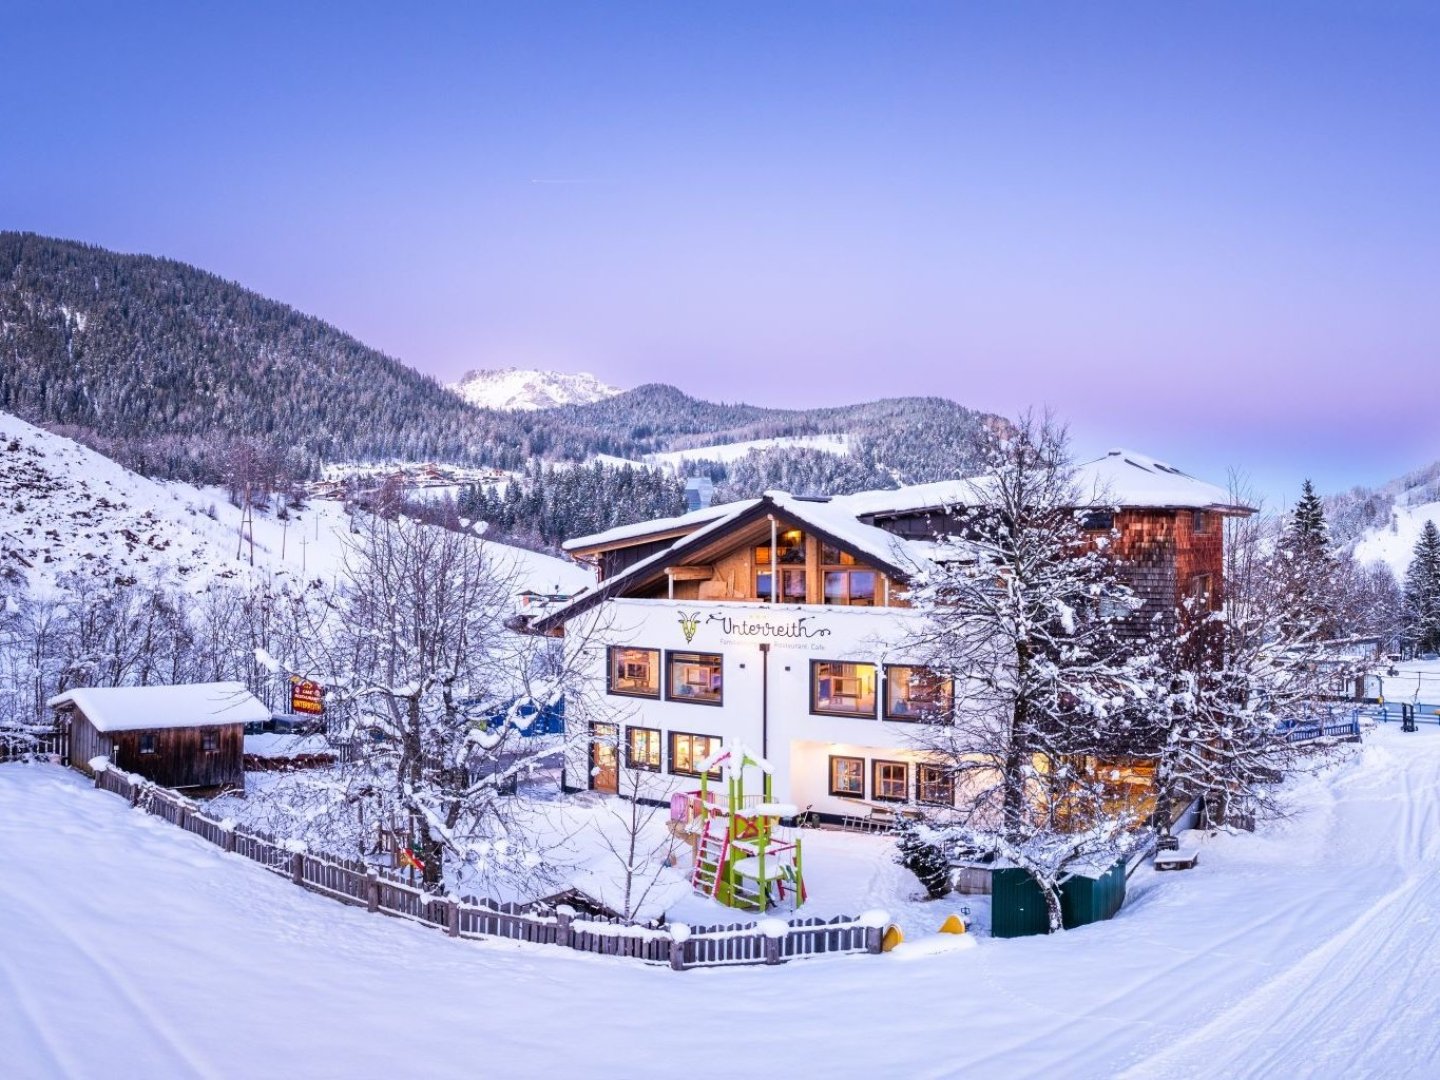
<point x="874" y="939"/>
<point x="452" y="916"/>
<point x="372" y="892"/>
<point x="297" y="868"/>
<point x="772" y="949"/>
<point x="99" y="777"/>
<point x="677" y="955"/>
<point x="134" y="793"/>
<point x="181" y="814"/>
<point x="230" y="840"/>
<point x="564" y="915"/>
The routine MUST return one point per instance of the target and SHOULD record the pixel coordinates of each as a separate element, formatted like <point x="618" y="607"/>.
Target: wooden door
<point x="605" y="758"/>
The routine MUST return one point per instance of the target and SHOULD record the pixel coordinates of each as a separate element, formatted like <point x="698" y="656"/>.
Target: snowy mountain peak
<point x="522" y="390"/>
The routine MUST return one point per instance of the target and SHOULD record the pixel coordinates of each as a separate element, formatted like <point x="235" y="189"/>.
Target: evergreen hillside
<point x="177" y="373"/>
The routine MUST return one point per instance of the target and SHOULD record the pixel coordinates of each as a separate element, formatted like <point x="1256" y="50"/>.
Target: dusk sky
<point x="1210" y="231"/>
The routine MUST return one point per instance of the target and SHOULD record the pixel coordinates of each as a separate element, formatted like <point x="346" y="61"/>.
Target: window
<point x="842" y="689"/>
<point x="642" y="748"/>
<point x="891" y="781"/>
<point x="1098" y="521"/>
<point x="147" y="744"/>
<point x="916" y="693"/>
<point x="855" y="588"/>
<point x="695" y="677"/>
<point x="1199" y="522"/>
<point x="792" y="584"/>
<point x="1200" y="590"/>
<point x="791" y="549"/>
<point x="936" y="785"/>
<point x="833" y="556"/>
<point x="209" y="740"/>
<point x="847" y="777"/>
<point x="634" y="672"/>
<point x="688" y="752"/>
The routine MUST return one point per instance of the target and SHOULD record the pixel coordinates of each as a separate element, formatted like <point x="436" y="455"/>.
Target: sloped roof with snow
<point x="659" y="526"/>
<point x="150" y="708"/>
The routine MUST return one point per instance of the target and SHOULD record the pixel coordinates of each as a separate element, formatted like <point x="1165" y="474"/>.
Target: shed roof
<point x="149" y="708"/>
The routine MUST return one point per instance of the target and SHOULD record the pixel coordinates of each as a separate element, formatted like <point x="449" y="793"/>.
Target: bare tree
<point x="1022" y="614"/>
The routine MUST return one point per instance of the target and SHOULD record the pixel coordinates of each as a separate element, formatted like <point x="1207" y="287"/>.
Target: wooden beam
<point x="690" y="573"/>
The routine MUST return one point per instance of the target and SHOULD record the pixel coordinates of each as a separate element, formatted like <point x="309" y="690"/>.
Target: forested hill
<point x="151" y="359"/>
<point x="170" y="370"/>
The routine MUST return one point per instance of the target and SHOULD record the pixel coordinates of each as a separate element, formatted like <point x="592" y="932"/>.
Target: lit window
<point x="891" y="781"/>
<point x="791" y="549"/>
<point x="695" y="677"/>
<point x="842" y="689"/>
<point x="936" y="785"/>
<point x="916" y="693"/>
<point x="847" y="777"/>
<point x="688" y="752"/>
<point x="833" y="556"/>
<point x="634" y="672"/>
<point x="642" y="748"/>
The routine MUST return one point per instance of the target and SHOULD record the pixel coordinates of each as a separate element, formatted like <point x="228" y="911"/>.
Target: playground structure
<point x="744" y="857"/>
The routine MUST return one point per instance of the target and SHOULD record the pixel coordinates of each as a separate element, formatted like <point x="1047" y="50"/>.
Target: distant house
<point x="189" y="736"/>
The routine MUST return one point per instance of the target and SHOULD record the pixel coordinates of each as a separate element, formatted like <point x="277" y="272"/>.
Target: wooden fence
<point x="350" y="881"/>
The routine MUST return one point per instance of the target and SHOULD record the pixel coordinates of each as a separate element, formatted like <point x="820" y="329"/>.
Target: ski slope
<point x="1311" y="949"/>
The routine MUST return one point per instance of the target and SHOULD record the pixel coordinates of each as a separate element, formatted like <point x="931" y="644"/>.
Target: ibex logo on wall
<point x="688" y="625"/>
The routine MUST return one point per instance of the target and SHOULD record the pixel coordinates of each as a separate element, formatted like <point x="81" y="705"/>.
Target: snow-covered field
<point x="1395" y="548"/>
<point x="1309" y="950"/>
<point x="727" y="453"/>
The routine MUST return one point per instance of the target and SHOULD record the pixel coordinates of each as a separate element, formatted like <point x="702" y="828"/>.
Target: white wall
<point x="798" y="744"/>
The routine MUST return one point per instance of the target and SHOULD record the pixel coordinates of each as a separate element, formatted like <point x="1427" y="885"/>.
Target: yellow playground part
<point x="953" y="924"/>
<point x="893" y="936"/>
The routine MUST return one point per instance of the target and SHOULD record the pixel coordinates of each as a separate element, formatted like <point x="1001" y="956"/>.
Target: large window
<point x="695" y="677"/>
<point x="935" y="785"/>
<point x="634" y="672"/>
<point x="642" y="748"/>
<point x="688" y="752"/>
<point x="790" y="557"/>
<point x="838" y="688"/>
<point x="792" y="584"/>
<point x="847" y="777"/>
<point x="852" y="588"/>
<point x="790" y="549"/>
<point x="916" y="693"/>
<point x="891" y="781"/>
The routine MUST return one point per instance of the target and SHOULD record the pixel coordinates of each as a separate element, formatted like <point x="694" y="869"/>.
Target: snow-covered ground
<point x="731" y="452"/>
<point x="1311" y="949"/>
<point x="66" y="509"/>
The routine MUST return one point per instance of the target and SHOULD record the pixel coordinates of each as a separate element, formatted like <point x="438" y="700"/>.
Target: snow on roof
<point x="149" y="708"/>
<point x="1120" y="478"/>
<point x="842" y="524"/>
<point x="659" y="525"/>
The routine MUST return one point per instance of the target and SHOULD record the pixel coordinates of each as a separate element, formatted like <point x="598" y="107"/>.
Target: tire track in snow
<point x="50" y="1041"/>
<point x="127" y="994"/>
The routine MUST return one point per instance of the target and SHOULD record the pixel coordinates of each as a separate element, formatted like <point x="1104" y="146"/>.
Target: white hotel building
<point x="689" y="645"/>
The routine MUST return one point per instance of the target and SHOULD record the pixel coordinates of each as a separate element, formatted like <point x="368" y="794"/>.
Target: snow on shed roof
<point x="148" y="708"/>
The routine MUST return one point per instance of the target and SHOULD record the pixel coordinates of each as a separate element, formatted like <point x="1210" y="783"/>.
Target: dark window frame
<point x="1199" y="523"/>
<point x="830" y="776"/>
<point x="815" y="709"/>
<point x="670" y="694"/>
<point x="913" y="718"/>
<point x="209" y="740"/>
<point x="631" y="762"/>
<point x="149" y="741"/>
<point x="610" y="661"/>
<point x="675" y="770"/>
<point x="875" y="765"/>
<point x="947" y="777"/>
<point x="1098" y="521"/>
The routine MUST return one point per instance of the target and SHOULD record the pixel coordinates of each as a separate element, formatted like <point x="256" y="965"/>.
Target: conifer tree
<point x="1306" y="572"/>
<point x="1422" y="592"/>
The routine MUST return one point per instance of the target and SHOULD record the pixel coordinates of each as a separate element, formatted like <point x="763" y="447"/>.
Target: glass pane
<point x="833" y="556"/>
<point x="844" y="688"/>
<point x="762" y="584"/>
<point x="695" y="677"/>
<point x="862" y="588"/>
<point x="635" y="671"/>
<point x="847" y="776"/>
<point x="793" y="582"/>
<point x="834" y="587"/>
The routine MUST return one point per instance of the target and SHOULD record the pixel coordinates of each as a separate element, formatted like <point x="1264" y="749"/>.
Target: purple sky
<point x="1208" y="231"/>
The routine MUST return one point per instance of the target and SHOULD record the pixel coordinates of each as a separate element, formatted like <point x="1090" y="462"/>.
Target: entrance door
<point x="605" y="758"/>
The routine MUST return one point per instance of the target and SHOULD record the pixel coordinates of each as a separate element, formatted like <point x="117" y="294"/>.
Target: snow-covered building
<point x="187" y="736"/>
<point x="782" y="623"/>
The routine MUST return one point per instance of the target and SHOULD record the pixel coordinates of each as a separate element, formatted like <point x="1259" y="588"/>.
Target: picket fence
<point x="351" y="881"/>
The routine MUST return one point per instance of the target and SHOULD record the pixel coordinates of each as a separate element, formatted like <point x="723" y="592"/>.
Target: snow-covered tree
<point x="1422" y="592"/>
<point x="1306" y="570"/>
<point x="1022" y="612"/>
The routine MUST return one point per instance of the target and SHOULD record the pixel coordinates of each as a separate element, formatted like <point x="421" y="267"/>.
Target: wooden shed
<point x="189" y="736"/>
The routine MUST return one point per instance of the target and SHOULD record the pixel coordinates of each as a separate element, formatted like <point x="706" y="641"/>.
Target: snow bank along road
<point x="128" y="949"/>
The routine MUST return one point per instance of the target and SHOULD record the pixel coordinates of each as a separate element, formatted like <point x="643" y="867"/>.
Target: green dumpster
<point x="1017" y="907"/>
